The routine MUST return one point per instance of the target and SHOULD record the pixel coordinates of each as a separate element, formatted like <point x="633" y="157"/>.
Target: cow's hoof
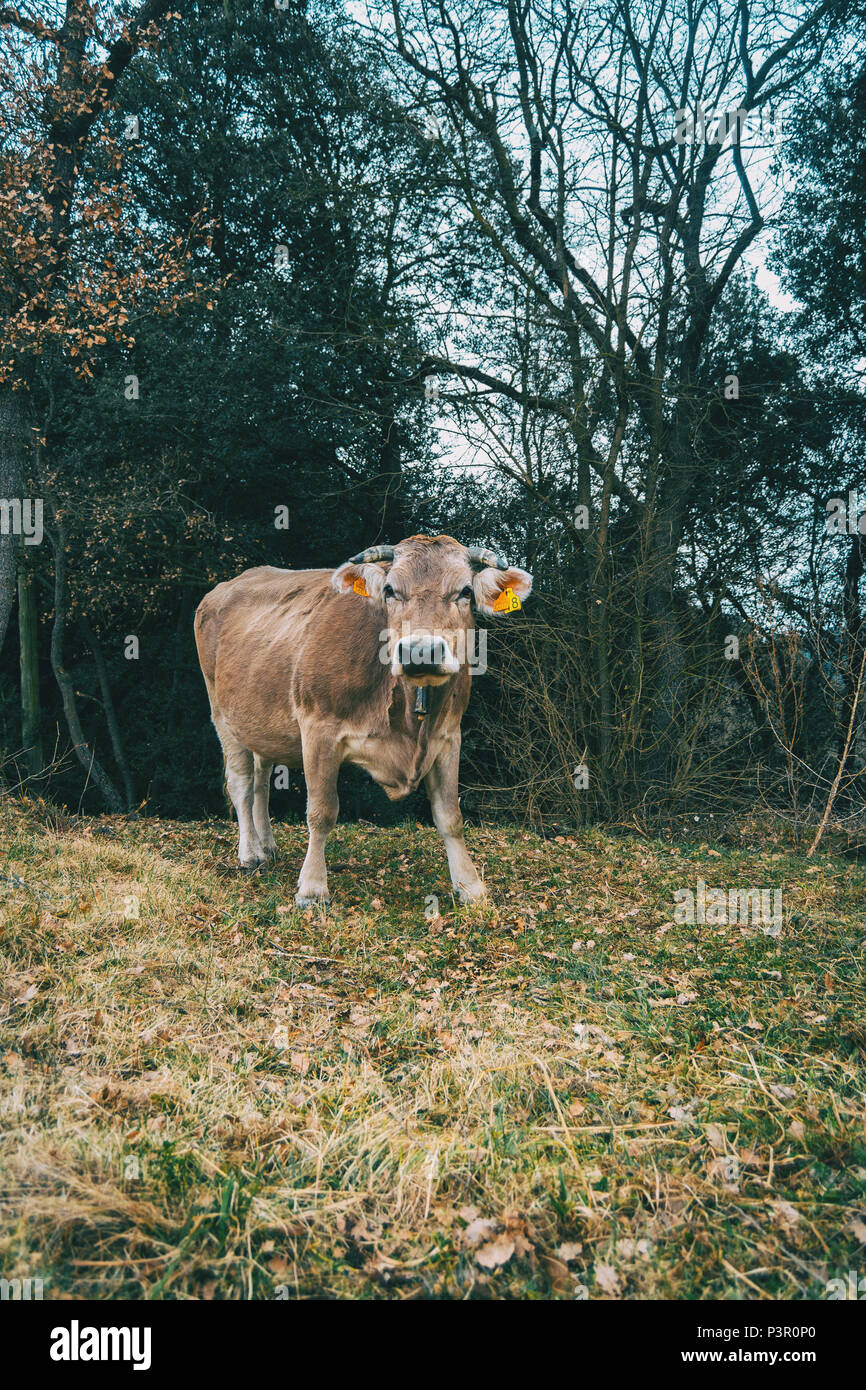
<point x="251" y="866"/>
<point x="302" y="902"/>
<point x="475" y="894"/>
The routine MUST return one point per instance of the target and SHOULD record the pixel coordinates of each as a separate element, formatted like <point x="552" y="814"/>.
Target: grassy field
<point x="206" y="1094"/>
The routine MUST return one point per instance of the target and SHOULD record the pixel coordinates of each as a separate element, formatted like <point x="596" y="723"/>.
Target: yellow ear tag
<point x="360" y="588"/>
<point x="508" y="602"/>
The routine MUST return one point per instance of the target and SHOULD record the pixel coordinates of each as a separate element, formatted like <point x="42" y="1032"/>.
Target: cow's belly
<point x="255" y="703"/>
<point x="274" y="738"/>
<point x="274" y="744"/>
<point x="278" y="747"/>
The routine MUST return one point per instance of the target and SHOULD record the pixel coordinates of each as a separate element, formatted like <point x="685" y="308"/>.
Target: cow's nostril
<point x="415" y="652"/>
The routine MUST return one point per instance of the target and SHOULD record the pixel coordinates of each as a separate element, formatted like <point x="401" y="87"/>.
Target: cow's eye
<point x="388" y="591"/>
<point x="466" y="591"/>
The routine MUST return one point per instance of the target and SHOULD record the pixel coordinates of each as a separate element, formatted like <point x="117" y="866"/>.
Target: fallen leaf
<point x="557" y="1273"/>
<point x="716" y="1135"/>
<point x="571" y="1250"/>
<point x="479" y="1230"/>
<point x="786" y="1215"/>
<point x="681" y="1114"/>
<point x="496" y="1253"/>
<point x="858" y="1229"/>
<point x="607" y="1279"/>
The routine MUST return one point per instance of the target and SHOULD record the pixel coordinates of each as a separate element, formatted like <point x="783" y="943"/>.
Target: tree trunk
<point x="110" y="713"/>
<point x="853" y="651"/>
<point x="29" y="662"/>
<point x="668" y="653"/>
<point x="14" y="443"/>
<point x="392" y="477"/>
<point x="668" y="662"/>
<point x="182" y="642"/>
<point x="85" y="755"/>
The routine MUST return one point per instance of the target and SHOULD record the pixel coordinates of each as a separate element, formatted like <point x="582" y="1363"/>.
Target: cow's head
<point x="430" y="589"/>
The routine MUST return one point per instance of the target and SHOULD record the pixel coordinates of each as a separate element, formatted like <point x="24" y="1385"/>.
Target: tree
<point x="610" y="188"/>
<point x="821" y="257"/>
<point x="58" y="81"/>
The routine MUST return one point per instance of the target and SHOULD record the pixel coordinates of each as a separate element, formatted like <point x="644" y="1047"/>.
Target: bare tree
<point x="604" y="158"/>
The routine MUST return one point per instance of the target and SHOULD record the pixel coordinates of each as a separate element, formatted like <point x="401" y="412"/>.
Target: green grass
<point x="224" y="1098"/>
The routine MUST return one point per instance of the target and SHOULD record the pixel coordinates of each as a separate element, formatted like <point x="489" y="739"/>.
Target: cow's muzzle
<point x="423" y="656"/>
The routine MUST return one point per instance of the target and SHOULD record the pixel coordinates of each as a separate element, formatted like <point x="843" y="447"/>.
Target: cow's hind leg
<point x="321" y="769"/>
<point x="261" y="797"/>
<point x="239" y="780"/>
<point x="441" y="784"/>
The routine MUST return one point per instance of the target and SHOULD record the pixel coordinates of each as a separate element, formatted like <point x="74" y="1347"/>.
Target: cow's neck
<point x="419" y="723"/>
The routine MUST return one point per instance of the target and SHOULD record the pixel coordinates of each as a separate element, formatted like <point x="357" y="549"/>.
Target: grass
<point x="206" y="1094"/>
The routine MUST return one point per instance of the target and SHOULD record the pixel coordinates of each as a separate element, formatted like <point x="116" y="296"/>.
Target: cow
<point x="366" y="664"/>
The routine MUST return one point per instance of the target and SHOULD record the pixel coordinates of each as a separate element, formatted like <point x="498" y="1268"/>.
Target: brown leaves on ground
<point x="494" y="1241"/>
<point x="216" y="1096"/>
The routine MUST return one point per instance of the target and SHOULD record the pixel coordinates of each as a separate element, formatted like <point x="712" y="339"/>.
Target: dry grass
<point x="220" y="1098"/>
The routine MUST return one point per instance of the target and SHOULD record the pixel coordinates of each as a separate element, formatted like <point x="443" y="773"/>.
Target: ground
<point x="569" y="1094"/>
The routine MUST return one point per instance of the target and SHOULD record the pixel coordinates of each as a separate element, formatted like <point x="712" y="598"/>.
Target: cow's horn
<point x="375" y="552"/>
<point x="479" y="555"/>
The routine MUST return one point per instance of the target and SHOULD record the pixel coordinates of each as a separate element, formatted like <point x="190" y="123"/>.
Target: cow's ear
<point x="490" y="586"/>
<point x="366" y="580"/>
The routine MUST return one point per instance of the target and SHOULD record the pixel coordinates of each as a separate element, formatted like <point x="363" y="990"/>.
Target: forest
<point x="581" y="282"/>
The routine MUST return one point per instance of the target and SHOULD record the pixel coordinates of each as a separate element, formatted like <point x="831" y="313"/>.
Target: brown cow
<point x="367" y="664"/>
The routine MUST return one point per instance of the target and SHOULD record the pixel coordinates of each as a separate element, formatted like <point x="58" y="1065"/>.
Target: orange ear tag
<point x="508" y="602"/>
<point x="360" y="588"/>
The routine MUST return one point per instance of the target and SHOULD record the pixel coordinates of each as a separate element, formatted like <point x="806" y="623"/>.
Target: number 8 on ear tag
<point x="508" y="602"/>
<point x="360" y="588"/>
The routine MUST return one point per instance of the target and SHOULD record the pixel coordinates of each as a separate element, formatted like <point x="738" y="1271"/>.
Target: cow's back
<point x="274" y="644"/>
<point x="253" y="608"/>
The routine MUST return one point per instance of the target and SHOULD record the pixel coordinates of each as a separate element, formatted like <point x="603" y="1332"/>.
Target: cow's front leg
<point x="441" y="784"/>
<point x="321" y="769"/>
